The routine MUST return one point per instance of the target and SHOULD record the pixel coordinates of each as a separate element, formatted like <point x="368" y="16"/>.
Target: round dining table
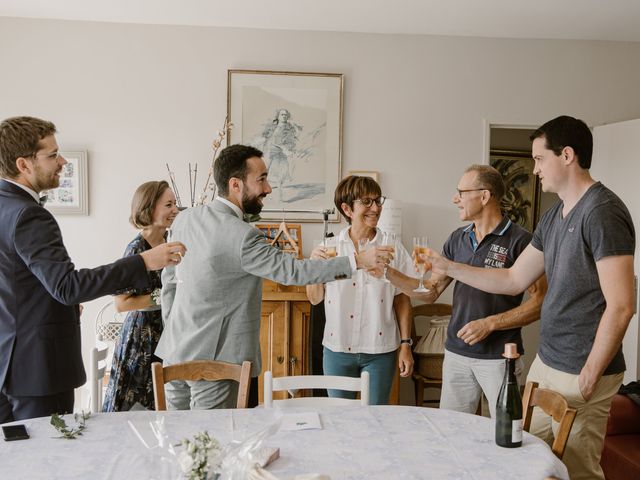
<point x="354" y="442"/>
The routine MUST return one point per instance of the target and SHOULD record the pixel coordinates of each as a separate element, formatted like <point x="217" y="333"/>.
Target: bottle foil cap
<point x="511" y="350"/>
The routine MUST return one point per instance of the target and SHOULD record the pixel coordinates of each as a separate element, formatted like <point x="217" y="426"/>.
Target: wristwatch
<point x="407" y="340"/>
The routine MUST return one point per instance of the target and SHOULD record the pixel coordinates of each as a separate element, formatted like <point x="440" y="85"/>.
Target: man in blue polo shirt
<point x="481" y="323"/>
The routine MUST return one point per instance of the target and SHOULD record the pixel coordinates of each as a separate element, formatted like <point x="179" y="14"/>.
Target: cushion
<point x="624" y="417"/>
<point x="621" y="457"/>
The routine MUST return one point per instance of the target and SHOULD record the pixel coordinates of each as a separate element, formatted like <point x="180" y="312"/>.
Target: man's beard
<point x="251" y="205"/>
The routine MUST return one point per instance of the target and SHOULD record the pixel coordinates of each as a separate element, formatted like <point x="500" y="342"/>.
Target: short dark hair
<point x="144" y="201"/>
<point x="565" y="131"/>
<point x="352" y="188"/>
<point x="20" y="137"/>
<point x="489" y="178"/>
<point x="232" y="163"/>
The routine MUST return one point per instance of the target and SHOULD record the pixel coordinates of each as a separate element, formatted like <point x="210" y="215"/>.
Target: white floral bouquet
<point x="201" y="457"/>
<point x="156" y="296"/>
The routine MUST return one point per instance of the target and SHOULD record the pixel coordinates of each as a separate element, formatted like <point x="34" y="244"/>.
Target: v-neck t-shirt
<point x="598" y="226"/>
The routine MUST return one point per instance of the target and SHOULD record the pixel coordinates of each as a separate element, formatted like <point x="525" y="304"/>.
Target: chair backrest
<point x="432" y="309"/>
<point x="430" y="365"/>
<point x="553" y="404"/>
<point x="297" y="382"/>
<point x="429" y="310"/>
<point x="109" y="323"/>
<point x="201" y="370"/>
<point x="98" y="361"/>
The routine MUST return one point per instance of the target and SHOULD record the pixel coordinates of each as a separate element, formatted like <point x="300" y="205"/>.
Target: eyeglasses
<point x="50" y="156"/>
<point x="367" y="202"/>
<point x="460" y="192"/>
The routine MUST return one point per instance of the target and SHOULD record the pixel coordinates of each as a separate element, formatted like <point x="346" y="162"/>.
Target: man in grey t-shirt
<point x="585" y="245"/>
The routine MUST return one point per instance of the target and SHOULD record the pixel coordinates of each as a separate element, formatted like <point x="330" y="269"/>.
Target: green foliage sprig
<point x="66" y="432"/>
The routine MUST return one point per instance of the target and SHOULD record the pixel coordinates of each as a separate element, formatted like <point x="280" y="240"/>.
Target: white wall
<point x="619" y="145"/>
<point x="416" y="107"/>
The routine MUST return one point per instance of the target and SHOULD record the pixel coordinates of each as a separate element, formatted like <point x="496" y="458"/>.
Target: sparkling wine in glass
<point x="420" y="245"/>
<point x="389" y="240"/>
<point x="330" y="250"/>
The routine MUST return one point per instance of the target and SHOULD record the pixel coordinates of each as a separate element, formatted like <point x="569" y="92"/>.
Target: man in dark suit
<point x="40" y="289"/>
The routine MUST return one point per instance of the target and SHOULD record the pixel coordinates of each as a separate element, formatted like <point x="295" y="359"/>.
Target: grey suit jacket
<point x="215" y="312"/>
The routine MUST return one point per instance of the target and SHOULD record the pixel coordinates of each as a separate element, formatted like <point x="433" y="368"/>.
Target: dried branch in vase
<point x="209" y="184"/>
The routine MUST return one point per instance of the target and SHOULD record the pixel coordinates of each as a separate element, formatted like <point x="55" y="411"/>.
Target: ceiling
<point x="542" y="19"/>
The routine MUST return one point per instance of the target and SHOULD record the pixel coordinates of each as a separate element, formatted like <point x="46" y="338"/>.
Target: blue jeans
<point x="381" y="368"/>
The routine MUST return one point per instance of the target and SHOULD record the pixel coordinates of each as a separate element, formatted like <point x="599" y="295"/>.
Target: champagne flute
<point x="176" y="276"/>
<point x="365" y="244"/>
<point x="329" y="250"/>
<point x="388" y="240"/>
<point x="420" y="245"/>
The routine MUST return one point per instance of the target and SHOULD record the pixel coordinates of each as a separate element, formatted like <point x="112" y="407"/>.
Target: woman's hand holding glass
<point x="389" y="241"/>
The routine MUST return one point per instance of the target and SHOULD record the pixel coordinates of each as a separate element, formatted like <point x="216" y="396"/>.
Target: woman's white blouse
<point x="359" y="310"/>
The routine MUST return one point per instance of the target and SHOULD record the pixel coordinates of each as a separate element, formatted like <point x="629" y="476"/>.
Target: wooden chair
<point x="551" y="403"/>
<point x="296" y="382"/>
<point x="201" y="370"/>
<point x="98" y="363"/>
<point x="428" y="368"/>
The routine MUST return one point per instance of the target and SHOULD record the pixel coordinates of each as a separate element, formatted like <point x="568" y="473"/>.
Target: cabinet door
<point x="300" y="336"/>
<point x="274" y="343"/>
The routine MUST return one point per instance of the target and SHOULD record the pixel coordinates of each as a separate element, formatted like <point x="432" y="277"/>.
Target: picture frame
<point x="521" y="201"/>
<point x="365" y="173"/>
<point x="71" y="197"/>
<point x="295" y="119"/>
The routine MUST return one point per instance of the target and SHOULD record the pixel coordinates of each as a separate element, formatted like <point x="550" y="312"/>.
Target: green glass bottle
<point x="509" y="405"/>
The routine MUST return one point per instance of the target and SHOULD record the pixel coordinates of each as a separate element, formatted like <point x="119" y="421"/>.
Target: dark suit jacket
<point x="39" y="294"/>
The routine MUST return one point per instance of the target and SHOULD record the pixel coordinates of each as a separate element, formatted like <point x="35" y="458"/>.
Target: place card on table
<point x="301" y="421"/>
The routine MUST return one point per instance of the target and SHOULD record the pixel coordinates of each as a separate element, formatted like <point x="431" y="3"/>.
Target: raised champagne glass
<point x="389" y="240"/>
<point x="176" y="276"/>
<point x="420" y="245"/>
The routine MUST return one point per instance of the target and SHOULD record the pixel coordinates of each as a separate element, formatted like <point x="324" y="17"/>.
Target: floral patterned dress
<point x="130" y="380"/>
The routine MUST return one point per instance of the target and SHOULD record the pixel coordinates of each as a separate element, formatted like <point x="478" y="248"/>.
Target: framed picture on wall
<point x="71" y="197"/>
<point x="521" y="202"/>
<point x="295" y="119"/>
<point x="365" y="173"/>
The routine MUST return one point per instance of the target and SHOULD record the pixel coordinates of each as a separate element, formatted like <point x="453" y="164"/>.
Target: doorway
<point x="512" y="142"/>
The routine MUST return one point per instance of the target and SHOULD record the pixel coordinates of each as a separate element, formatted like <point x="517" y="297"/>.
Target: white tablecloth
<point x="354" y="443"/>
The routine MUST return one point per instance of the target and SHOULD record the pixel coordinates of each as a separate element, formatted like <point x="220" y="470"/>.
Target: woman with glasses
<point x="368" y="319"/>
<point x="153" y="210"/>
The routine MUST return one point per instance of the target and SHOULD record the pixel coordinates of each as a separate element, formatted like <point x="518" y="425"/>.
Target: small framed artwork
<point x="295" y="119"/>
<point x="365" y="173"/>
<point x="71" y="197"/>
<point x="521" y="202"/>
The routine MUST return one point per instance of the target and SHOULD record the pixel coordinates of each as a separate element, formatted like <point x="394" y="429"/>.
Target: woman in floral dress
<point x="153" y="210"/>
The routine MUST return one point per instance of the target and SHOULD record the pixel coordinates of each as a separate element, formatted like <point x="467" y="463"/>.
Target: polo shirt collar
<point x="500" y="230"/>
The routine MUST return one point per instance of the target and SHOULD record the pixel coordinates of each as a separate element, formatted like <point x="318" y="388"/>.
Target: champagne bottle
<point x="509" y="405"/>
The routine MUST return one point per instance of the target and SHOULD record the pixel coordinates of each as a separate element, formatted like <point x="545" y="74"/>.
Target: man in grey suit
<point x="211" y="305"/>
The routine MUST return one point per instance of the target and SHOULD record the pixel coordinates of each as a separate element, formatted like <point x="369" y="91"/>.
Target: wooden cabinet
<point x="284" y="332"/>
<point x="285" y="336"/>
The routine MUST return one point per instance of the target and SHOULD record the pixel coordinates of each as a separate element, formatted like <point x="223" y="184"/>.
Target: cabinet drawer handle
<point x="280" y="359"/>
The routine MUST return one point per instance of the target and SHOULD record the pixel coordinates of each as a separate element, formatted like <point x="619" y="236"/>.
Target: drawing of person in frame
<point x="292" y="140"/>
